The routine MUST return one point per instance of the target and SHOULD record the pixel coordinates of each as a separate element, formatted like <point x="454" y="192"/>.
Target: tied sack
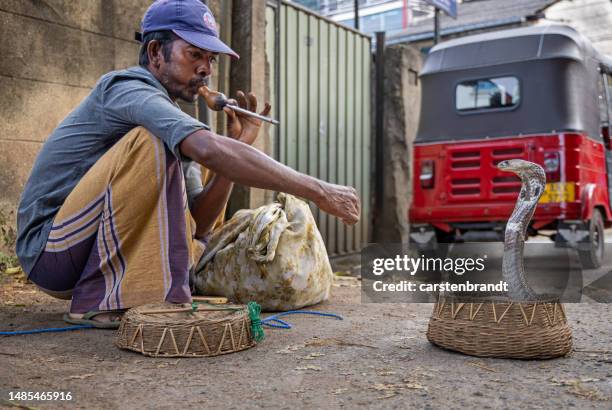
<point x="273" y="255"/>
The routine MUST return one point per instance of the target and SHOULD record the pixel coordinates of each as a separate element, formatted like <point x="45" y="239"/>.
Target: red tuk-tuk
<point x="540" y="93"/>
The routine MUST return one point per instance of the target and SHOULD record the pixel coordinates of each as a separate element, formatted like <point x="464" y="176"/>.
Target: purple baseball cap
<point x="191" y="20"/>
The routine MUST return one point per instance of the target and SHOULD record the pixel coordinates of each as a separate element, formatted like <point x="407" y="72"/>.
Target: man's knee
<point x="140" y="137"/>
<point x="140" y="146"/>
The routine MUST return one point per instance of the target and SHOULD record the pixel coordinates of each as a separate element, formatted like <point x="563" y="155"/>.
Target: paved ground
<point x="377" y="357"/>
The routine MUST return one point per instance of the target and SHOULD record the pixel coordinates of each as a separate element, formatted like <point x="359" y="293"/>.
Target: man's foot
<point x="98" y="319"/>
<point x="103" y="317"/>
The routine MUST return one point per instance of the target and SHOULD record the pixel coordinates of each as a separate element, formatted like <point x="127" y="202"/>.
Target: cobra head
<point x="532" y="175"/>
<point x="522" y="168"/>
<point x="513" y="165"/>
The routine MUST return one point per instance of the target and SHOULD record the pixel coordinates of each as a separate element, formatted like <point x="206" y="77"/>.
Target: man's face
<point x="188" y="69"/>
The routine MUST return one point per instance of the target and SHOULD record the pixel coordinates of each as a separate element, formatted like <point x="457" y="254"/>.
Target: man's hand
<point x="341" y="201"/>
<point x="243" y="127"/>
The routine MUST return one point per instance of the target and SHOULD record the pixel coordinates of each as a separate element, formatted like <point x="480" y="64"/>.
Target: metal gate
<point x="320" y="78"/>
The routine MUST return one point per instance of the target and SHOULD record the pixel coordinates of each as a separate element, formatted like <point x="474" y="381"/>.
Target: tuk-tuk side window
<point x="487" y="93"/>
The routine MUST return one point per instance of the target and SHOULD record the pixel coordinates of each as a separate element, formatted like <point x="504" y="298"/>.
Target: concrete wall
<point x="401" y="118"/>
<point x="53" y="52"/>
<point x="592" y="18"/>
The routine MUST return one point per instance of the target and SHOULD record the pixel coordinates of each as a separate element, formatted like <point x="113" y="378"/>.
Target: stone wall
<point x="401" y="118"/>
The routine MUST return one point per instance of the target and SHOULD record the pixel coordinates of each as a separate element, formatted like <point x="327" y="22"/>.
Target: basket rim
<point x="494" y="299"/>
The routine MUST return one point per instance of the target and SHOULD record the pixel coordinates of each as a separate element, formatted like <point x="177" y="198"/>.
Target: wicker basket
<point x="167" y="330"/>
<point x="501" y="328"/>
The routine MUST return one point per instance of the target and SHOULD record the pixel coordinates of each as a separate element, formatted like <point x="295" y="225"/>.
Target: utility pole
<point x="356" y="14"/>
<point x="379" y="130"/>
<point x="436" y="25"/>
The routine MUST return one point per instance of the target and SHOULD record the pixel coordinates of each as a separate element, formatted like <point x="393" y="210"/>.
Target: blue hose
<point x="47" y="330"/>
<point x="281" y="324"/>
<point x="271" y="321"/>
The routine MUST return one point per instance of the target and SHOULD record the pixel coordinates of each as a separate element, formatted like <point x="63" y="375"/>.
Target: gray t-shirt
<point x="120" y="101"/>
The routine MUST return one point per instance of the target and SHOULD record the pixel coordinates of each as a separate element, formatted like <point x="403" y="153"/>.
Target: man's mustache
<point x="200" y="82"/>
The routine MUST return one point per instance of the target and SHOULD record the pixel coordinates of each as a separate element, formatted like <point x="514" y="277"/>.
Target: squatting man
<point x="114" y="213"/>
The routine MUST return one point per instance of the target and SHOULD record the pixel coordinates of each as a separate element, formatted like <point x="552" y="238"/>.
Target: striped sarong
<point x="124" y="236"/>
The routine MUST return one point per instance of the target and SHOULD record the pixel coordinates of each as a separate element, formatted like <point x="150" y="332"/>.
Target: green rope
<point x="256" y="328"/>
<point x="254" y="311"/>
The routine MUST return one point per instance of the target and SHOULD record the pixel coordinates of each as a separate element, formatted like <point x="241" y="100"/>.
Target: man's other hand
<point x="243" y="127"/>
<point x="341" y="201"/>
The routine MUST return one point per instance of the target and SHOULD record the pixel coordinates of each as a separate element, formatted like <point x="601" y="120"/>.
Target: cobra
<point x="533" y="181"/>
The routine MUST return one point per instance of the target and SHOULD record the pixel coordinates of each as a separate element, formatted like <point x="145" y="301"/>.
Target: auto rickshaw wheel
<point x="592" y="257"/>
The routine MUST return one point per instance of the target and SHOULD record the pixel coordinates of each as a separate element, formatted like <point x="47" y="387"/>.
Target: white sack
<point x="273" y="255"/>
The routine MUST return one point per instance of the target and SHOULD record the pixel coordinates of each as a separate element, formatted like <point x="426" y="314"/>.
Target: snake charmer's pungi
<point x="114" y="211"/>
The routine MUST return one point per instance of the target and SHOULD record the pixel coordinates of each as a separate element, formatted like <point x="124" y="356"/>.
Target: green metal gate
<point x="320" y="77"/>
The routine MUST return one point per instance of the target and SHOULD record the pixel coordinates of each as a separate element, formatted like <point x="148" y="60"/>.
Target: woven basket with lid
<point x="168" y="330"/>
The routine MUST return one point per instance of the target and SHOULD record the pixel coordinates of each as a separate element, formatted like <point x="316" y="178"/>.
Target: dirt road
<point x="378" y="357"/>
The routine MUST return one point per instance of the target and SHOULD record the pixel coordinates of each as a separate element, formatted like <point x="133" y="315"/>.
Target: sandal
<point x="88" y="319"/>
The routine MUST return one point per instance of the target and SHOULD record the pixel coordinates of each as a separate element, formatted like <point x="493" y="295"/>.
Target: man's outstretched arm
<point x="245" y="165"/>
